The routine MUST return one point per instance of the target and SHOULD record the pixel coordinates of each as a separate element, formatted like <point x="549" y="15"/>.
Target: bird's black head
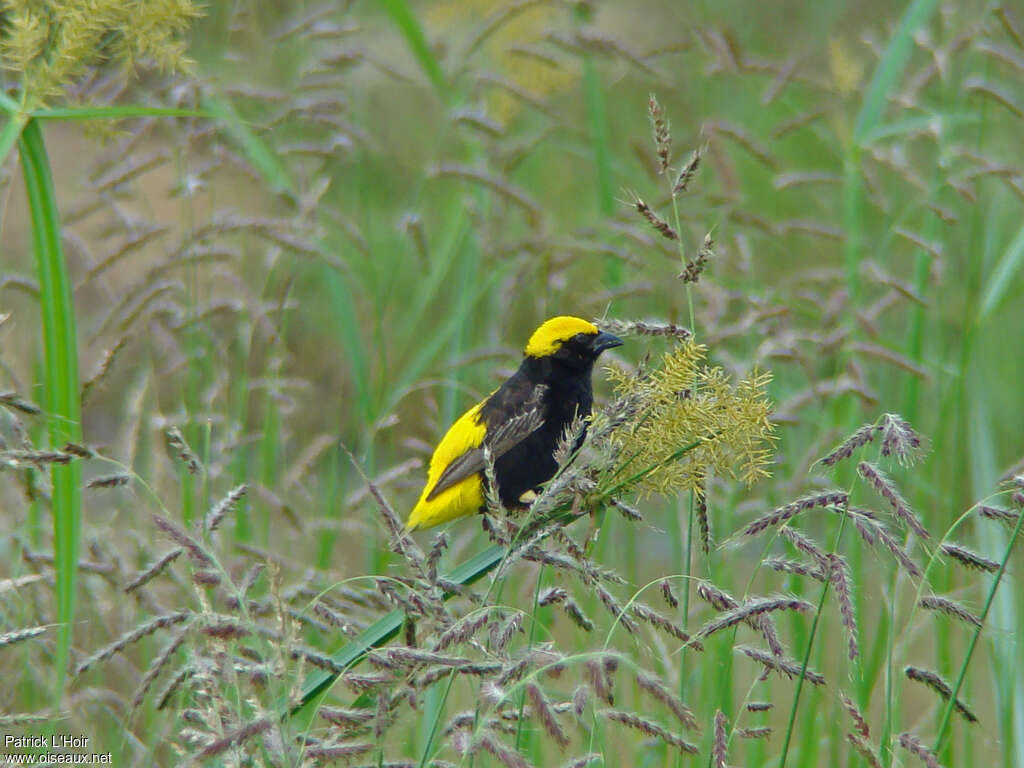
<point x="569" y="342"/>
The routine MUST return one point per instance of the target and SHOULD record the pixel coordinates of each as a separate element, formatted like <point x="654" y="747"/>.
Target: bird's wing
<point x="500" y="440"/>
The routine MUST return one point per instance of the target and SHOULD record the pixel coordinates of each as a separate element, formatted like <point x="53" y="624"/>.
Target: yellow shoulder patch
<point x="463" y="498"/>
<point x="553" y="333"/>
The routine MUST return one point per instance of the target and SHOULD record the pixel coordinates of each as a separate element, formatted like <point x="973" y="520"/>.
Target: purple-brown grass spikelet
<point x="22" y="720"/>
<point x="941" y="687"/>
<point x="862" y="436"/>
<point x="13" y="401"/>
<point x="346" y="718"/>
<point x="552" y="596"/>
<point x="790" y="510"/>
<point x="866" y="522"/>
<point x="888" y="491"/>
<point x="109" y="481"/>
<point x="1005" y="516"/>
<point x="221" y="508"/>
<point x="649" y="728"/>
<point x="177" y="442"/>
<point x="663" y="227"/>
<point x="703" y="524"/>
<point x="600" y="681"/>
<point x="104" y="366"/>
<point x="659" y="691"/>
<point x="434" y="557"/>
<point x="898" y="552"/>
<point x="462" y="630"/>
<point x="576" y="614"/>
<point x="759" y="706"/>
<point x="839" y="576"/>
<point x="916" y="747"/>
<point x="662" y="135"/>
<point x="133" y="636"/>
<point x="666" y="625"/>
<point x="584" y="761"/>
<point x="860" y="725"/>
<point x="196" y="552"/>
<point x="235" y="737"/>
<point x="628" y="512"/>
<point x="224" y="628"/>
<point x="725" y="603"/>
<point x="759" y="732"/>
<point x="787" y="667"/>
<point x="157" y="666"/>
<point x="970" y="559"/>
<point x="695" y="267"/>
<point x="330" y="752"/>
<point x="18" y="458"/>
<point x="18" y="635"/>
<point x="507" y="756"/>
<point x="579" y="700"/>
<point x="174" y="685"/>
<point x="950" y="608"/>
<point x="687" y="172"/>
<point x="401" y="542"/>
<point x="752" y="609"/>
<point x="206" y="577"/>
<point x="807" y="545"/>
<point x="614" y="608"/>
<point x="546" y="715"/>
<point x="720" y="746"/>
<point x="795" y="567"/>
<point x="81" y="451"/>
<point x="865" y="749"/>
<point x="899" y="439"/>
<point x="154" y="570"/>
<point x="668" y="594"/>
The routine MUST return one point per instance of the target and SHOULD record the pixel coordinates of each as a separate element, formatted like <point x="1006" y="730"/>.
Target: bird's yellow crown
<point x="554" y="332"/>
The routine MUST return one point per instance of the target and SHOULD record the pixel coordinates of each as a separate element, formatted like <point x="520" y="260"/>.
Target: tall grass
<point x="60" y="345"/>
<point x="344" y="240"/>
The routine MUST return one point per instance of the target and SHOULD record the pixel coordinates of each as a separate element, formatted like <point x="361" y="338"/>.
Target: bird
<point x="521" y="423"/>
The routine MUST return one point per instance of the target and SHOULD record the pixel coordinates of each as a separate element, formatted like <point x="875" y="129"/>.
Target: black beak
<point x="604" y="341"/>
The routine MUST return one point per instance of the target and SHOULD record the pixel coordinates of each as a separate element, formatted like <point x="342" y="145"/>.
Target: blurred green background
<point x="384" y="199"/>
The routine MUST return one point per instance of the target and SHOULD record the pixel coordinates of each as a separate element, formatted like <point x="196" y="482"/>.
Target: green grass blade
<point x="7" y="104"/>
<point x="416" y="39"/>
<point x="1002" y="276"/>
<point x="890" y="68"/>
<point x="440" y="338"/>
<point x="10" y="133"/>
<point x="598" y="119"/>
<point x="387" y="627"/>
<point x="61" y="387"/>
<point x="253" y="147"/>
<point x="117" y="113"/>
<point x="916" y="124"/>
<point x="345" y="314"/>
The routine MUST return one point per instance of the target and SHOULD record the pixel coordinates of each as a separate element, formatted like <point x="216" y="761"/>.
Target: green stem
<point x="61" y="387"/>
<point x="944" y="724"/>
<point x="425" y="756"/>
<point x="529" y="646"/>
<point x="682" y="262"/>
<point x="807" y="653"/>
<point x="687" y="564"/>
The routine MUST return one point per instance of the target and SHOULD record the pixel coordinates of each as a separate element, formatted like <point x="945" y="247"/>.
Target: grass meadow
<point x="256" y="257"/>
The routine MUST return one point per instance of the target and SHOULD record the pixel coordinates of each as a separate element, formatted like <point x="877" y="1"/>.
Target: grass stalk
<point x="943" y="732"/>
<point x="61" y="387"/>
<point x="807" y="653"/>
